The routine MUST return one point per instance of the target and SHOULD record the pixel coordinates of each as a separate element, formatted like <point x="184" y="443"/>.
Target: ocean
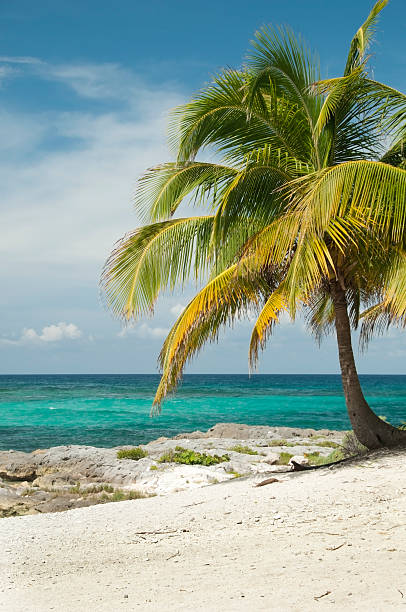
<point x="39" y="411"/>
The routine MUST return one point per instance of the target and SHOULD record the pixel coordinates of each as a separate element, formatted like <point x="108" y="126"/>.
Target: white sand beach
<point x="332" y="538"/>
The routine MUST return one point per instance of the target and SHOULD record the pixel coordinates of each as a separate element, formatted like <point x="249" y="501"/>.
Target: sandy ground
<point x="319" y="540"/>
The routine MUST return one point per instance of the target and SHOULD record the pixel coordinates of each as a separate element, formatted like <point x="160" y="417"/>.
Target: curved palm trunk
<point x="368" y="427"/>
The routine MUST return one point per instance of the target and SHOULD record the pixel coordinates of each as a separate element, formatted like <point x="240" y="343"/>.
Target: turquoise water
<point x="108" y="410"/>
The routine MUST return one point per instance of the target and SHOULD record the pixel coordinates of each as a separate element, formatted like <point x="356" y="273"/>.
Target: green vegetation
<point x="245" y="450"/>
<point x="317" y="459"/>
<point x="305" y="210"/>
<point x="120" y="495"/>
<point x="90" y="490"/>
<point x="351" y="447"/>
<point x="29" y="491"/>
<point x="101" y="493"/>
<point x="132" y="453"/>
<point x="280" y="443"/>
<point x="190" y="457"/>
<point x="328" y="444"/>
<point x="98" y="489"/>
<point x="284" y="458"/>
<point x="235" y="474"/>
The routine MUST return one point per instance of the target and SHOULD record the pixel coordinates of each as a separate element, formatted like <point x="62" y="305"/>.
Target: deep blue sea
<point x="39" y="411"/>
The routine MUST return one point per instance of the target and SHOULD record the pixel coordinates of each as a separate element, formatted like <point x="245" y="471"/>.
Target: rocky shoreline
<point x="65" y="477"/>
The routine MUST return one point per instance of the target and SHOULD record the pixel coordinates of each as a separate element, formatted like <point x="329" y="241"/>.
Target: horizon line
<point x="193" y="374"/>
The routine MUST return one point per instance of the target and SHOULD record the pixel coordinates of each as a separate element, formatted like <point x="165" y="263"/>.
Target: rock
<point x="42" y="481"/>
<point x="11" y="502"/>
<point x="179" y="478"/>
<point x="193" y="435"/>
<point x="271" y="458"/>
<point x="158" y="440"/>
<point x="58" y="480"/>
<point x="299" y="459"/>
<point x="60" y="504"/>
<point x="17" y="466"/>
<point x="237" y="431"/>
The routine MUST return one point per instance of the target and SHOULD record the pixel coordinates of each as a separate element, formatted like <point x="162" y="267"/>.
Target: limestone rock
<point x="301" y="459"/>
<point x="46" y="480"/>
<point x="15" y="465"/>
<point x="236" y="431"/>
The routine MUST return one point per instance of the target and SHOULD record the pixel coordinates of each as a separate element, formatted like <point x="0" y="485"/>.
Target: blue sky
<point x="85" y="89"/>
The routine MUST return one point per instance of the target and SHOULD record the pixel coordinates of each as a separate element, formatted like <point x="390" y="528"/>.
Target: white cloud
<point x="144" y="331"/>
<point x="50" y="333"/>
<point x="177" y="309"/>
<point x="5" y="72"/>
<point x="99" y="81"/>
<point x="72" y="200"/>
<point x="18" y="59"/>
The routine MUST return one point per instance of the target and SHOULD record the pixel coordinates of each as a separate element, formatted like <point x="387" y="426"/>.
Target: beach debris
<point x="299" y="467"/>
<point x="267" y="481"/>
<point x="317" y="597"/>
<point x="301" y="460"/>
<point x="157" y="532"/>
<point x="323" y="533"/>
<point x="194" y="504"/>
<point x="174" y="555"/>
<point x="337" y="547"/>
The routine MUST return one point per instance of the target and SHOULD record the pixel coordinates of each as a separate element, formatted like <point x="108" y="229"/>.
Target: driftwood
<point x="298" y="467"/>
<point x="323" y="595"/>
<point x="266" y="482"/>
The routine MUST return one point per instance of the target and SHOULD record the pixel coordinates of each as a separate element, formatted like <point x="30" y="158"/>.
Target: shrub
<point x="328" y="444"/>
<point x="119" y="495"/>
<point x="245" y="450"/>
<point x="351" y="446"/>
<point x="133" y="453"/>
<point x="280" y="443"/>
<point x="190" y="457"/>
<point x="312" y="456"/>
<point x="98" y="489"/>
<point x="284" y="458"/>
<point x="91" y="490"/>
<point x="317" y="459"/>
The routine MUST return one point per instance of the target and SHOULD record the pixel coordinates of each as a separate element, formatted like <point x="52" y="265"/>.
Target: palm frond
<point x="284" y="59"/>
<point x="372" y="193"/>
<point x="153" y="258"/>
<point x="396" y="155"/>
<point x="267" y="319"/>
<point x="254" y="194"/>
<point x="320" y="315"/>
<point x="161" y="189"/>
<point x="221" y="301"/>
<point x="363" y="38"/>
<point x="220" y="116"/>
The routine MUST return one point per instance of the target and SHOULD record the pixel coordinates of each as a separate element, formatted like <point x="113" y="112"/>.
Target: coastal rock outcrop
<point x="63" y="477"/>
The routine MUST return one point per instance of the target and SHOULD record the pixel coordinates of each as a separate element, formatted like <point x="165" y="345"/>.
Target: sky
<point x="85" y="92"/>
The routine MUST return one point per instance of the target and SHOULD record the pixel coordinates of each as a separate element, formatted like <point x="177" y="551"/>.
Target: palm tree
<point x="305" y="210"/>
